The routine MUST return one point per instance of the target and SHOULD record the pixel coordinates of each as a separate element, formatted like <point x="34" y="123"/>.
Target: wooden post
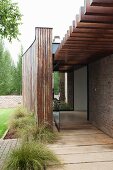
<point x="62" y="86"/>
<point x="44" y="75"/>
<point x="70" y="88"/>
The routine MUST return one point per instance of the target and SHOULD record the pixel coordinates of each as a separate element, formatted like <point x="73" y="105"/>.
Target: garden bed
<point x="9" y="135"/>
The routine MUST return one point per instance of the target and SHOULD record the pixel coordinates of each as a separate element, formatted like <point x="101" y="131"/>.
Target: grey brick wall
<point x="101" y="94"/>
<point x="10" y="101"/>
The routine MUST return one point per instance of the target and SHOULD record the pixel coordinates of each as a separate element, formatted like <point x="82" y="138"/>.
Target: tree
<point x="10" y="74"/>
<point x="19" y="73"/>
<point x="10" y="19"/>
<point x="56" y="82"/>
<point x="6" y="66"/>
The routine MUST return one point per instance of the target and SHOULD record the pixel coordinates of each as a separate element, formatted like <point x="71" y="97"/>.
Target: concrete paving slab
<point x="85" y="166"/>
<point x="85" y="139"/>
<point x="86" y="157"/>
<point x="84" y="149"/>
<point x="81" y="149"/>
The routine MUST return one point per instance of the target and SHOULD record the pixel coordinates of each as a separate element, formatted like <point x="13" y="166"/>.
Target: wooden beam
<point x="97" y="10"/>
<point x="74" y="50"/>
<point x="65" y="58"/>
<point x="85" y="49"/>
<point x="86" y="39"/>
<point x="87" y="46"/>
<point x="90" y="30"/>
<point x="94" y="25"/>
<point x="91" y="35"/>
<point x="74" y="43"/>
<point x="94" y="18"/>
<point x="106" y="3"/>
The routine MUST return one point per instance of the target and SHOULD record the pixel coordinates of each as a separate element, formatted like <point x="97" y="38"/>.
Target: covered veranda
<point x="89" y="38"/>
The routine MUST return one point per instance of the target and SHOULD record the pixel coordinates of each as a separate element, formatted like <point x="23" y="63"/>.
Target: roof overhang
<point x="90" y="36"/>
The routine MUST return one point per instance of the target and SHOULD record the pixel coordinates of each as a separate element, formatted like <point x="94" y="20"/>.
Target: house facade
<point x="85" y="54"/>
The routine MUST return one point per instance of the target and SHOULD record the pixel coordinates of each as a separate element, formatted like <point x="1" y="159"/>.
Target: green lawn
<point x="4" y="118"/>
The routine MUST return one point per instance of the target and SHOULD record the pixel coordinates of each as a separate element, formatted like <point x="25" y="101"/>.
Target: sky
<point x="57" y="14"/>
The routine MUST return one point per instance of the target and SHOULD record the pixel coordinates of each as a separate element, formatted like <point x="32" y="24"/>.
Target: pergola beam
<point x="94" y="18"/>
<point x="106" y="3"/>
<point x="91" y="34"/>
<point x="97" y="10"/>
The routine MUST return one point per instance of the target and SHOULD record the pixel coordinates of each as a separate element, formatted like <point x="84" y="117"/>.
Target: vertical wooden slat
<point x="29" y="79"/>
<point x="62" y="86"/>
<point x="44" y="75"/>
<point x="70" y="88"/>
<point x="37" y="76"/>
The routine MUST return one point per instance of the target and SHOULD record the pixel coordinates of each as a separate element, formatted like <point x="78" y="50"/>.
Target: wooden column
<point x="44" y="75"/>
<point x="70" y="88"/>
<point x="62" y="87"/>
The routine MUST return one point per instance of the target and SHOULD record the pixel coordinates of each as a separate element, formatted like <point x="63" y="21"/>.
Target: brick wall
<point x="10" y="101"/>
<point x="101" y="94"/>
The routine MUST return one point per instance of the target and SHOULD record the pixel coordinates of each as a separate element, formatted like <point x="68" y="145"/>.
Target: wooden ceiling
<point x="90" y="36"/>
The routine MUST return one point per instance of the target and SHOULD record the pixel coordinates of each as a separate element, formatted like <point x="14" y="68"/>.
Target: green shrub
<point x="65" y="106"/>
<point x="31" y="156"/>
<point x="43" y="133"/>
<point x="24" y="126"/>
<point x="21" y="123"/>
<point x="20" y="112"/>
<point x="61" y="106"/>
<point x="56" y="105"/>
<point x="20" y="120"/>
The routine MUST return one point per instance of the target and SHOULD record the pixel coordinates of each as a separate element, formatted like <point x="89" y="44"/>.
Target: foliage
<point x="20" y="119"/>
<point x="10" y="19"/>
<point x="20" y="112"/>
<point x="10" y="75"/>
<point x="18" y="74"/>
<point x="6" y="65"/>
<point x="31" y="156"/>
<point x="5" y="115"/>
<point x="65" y="106"/>
<point x="56" y="83"/>
<point x="56" y="105"/>
<point x="61" y="106"/>
<point x="43" y="133"/>
<point x="23" y="124"/>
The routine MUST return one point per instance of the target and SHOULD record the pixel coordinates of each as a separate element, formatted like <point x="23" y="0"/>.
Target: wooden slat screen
<point x="37" y="76"/>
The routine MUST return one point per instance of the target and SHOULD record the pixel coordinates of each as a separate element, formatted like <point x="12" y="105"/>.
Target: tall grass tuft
<point x="21" y="119"/>
<point x="20" y="112"/>
<point x="43" y="133"/>
<point x="31" y="156"/>
<point x="21" y="123"/>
